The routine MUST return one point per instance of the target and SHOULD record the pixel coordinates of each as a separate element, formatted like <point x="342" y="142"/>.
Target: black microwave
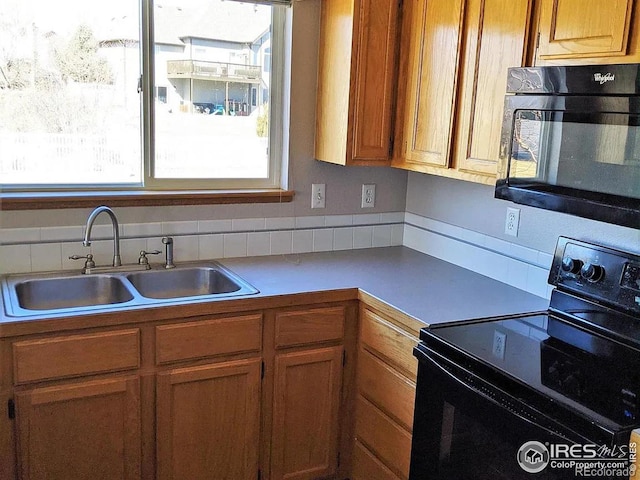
<point x="570" y="141"/>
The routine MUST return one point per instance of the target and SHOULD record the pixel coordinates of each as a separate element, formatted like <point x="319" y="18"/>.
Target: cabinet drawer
<point x="316" y="325"/>
<point x="385" y="438"/>
<point x="75" y="355"/>
<point x="367" y="467"/>
<point x="387" y="389"/>
<point x="208" y="338"/>
<point x="390" y="342"/>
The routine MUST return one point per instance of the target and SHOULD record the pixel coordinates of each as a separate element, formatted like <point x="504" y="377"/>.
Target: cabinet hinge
<point x="262" y="371"/>
<point x="344" y="358"/>
<point x="11" y="409"/>
<point x="537" y="40"/>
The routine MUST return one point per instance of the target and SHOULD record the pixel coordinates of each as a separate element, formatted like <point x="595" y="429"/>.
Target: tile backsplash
<point x="43" y="249"/>
<point x="25" y="250"/>
<point x="521" y="267"/>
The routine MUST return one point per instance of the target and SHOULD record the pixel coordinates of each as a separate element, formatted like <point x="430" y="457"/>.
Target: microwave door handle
<point x="505" y="405"/>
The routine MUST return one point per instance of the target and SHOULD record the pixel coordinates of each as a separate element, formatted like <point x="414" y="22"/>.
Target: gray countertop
<point x="425" y="288"/>
<point x="422" y="287"/>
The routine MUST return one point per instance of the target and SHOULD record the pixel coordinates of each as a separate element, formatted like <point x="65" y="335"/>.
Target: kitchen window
<point x="156" y="95"/>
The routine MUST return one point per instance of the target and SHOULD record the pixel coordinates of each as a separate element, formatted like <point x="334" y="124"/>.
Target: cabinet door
<point x="600" y="29"/>
<point x="433" y="58"/>
<point x="495" y="39"/>
<point x="80" y="431"/>
<point x="375" y="79"/>
<point x="305" y="414"/>
<point x="208" y="421"/>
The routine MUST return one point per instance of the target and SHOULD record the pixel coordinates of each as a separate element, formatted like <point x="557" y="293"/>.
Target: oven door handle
<point x="501" y="398"/>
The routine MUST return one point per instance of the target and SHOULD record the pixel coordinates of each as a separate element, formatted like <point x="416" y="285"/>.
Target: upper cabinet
<point x="457" y="55"/>
<point x="356" y="81"/>
<point x="605" y="31"/>
<point x="445" y="113"/>
<point x="495" y="39"/>
<point x="435" y="29"/>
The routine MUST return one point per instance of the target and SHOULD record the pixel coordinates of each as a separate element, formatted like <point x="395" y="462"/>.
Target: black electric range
<point x="553" y="394"/>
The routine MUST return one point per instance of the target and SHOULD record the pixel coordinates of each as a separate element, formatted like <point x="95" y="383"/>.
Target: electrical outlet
<point x="368" y="195"/>
<point x="499" y="344"/>
<point x="317" y="195"/>
<point x="512" y="222"/>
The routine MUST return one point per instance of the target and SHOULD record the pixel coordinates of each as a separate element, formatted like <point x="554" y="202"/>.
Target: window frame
<point x="178" y="191"/>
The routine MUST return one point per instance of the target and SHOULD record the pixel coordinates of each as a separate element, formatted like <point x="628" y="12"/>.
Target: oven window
<point x="597" y="152"/>
<point x="469" y="449"/>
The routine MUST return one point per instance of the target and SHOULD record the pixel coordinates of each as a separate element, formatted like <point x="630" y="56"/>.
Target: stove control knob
<point x="591" y="272"/>
<point x="571" y="265"/>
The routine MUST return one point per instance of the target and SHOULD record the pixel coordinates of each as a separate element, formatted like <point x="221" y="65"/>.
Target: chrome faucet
<point x="116" y="234"/>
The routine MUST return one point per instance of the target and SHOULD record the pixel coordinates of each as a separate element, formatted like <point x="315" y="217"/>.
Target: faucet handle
<point x="88" y="265"/>
<point x="143" y="260"/>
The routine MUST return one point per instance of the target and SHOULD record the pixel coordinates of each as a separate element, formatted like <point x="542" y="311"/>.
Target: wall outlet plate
<point x="317" y="195"/>
<point x="499" y="344"/>
<point x="368" y="195"/>
<point x="512" y="222"/>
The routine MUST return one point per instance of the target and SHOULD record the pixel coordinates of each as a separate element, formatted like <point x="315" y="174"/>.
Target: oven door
<point x="467" y="428"/>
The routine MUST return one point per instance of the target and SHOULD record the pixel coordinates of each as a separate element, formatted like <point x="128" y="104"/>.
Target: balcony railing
<point x="202" y="70"/>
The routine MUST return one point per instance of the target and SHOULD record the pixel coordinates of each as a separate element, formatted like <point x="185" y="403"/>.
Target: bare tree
<point x="79" y="60"/>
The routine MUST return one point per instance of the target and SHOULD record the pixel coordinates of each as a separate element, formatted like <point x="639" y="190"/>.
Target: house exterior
<point x="204" y="60"/>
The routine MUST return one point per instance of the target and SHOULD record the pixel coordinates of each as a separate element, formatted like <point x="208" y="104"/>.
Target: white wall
<point x="472" y="206"/>
<point x="462" y="223"/>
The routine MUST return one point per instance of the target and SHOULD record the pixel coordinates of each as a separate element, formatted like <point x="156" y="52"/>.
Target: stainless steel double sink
<point x="46" y="294"/>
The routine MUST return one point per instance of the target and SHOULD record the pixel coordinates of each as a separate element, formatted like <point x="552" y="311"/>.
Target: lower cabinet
<point x="366" y="466"/>
<point x="238" y="397"/>
<point x="80" y="431"/>
<point x="385" y="398"/>
<point x="208" y="421"/>
<point x="305" y="414"/>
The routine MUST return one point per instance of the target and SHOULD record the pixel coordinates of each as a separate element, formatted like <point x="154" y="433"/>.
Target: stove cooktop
<point x="583" y="354"/>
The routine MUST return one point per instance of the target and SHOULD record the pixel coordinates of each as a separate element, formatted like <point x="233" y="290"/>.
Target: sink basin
<point x="71" y="292"/>
<point x="188" y="282"/>
<point x="53" y="294"/>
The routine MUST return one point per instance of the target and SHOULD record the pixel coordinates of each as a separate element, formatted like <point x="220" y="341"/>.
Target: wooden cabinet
<point x="208" y="420"/>
<point x="386" y="394"/>
<point x="457" y="55"/>
<point x="60" y="357"/>
<point x="495" y="38"/>
<point x="307" y="393"/>
<point x="208" y="415"/>
<point x="73" y="431"/>
<point x="75" y="413"/>
<point x="605" y="31"/>
<point x="356" y="81"/>
<point x="245" y="396"/>
<point x="305" y="414"/>
<point x="433" y="33"/>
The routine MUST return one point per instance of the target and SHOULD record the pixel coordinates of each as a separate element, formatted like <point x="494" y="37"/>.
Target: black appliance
<point x="566" y="380"/>
<point x="570" y="141"/>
